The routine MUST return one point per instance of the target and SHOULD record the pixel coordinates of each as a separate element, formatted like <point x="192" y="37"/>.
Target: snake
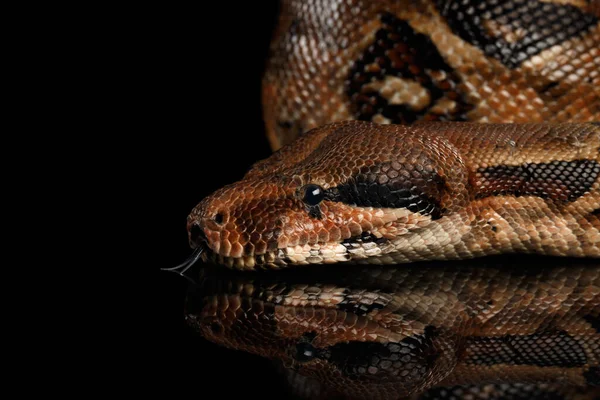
<point x="406" y="133"/>
<point x="505" y="327"/>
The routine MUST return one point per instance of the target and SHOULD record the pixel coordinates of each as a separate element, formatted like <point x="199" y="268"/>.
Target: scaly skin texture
<point x="398" y="194"/>
<point x="497" y="328"/>
<point x="400" y="61"/>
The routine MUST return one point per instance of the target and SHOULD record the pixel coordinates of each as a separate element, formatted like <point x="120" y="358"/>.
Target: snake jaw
<point x="280" y="232"/>
<point x="353" y="243"/>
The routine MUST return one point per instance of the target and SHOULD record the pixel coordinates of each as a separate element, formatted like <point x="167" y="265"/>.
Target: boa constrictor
<point x="517" y="173"/>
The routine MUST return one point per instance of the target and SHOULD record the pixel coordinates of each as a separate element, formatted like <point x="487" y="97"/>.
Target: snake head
<point x="343" y="192"/>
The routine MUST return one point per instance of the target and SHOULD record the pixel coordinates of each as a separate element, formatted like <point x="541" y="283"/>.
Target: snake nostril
<point x="219" y="217"/>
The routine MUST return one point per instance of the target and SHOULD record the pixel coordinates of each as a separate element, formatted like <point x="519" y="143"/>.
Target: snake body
<point x="401" y="61"/>
<point x="394" y="332"/>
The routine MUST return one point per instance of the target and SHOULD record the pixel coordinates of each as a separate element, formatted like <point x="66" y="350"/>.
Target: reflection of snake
<point x="388" y="332"/>
<point x="394" y="194"/>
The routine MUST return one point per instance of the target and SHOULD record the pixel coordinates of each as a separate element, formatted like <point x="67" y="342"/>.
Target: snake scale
<point x="415" y="131"/>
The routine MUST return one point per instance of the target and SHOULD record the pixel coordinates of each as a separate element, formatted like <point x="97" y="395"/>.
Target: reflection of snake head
<point x="363" y="192"/>
<point x="355" y="340"/>
<point x="332" y="197"/>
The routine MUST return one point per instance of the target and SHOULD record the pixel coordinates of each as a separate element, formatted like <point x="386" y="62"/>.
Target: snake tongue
<point x="187" y="264"/>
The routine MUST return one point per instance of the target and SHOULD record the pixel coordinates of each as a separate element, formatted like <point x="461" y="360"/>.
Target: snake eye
<point x="313" y="194"/>
<point x="305" y="352"/>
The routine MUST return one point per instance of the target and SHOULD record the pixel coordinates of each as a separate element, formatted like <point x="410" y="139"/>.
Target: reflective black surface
<point x="433" y="294"/>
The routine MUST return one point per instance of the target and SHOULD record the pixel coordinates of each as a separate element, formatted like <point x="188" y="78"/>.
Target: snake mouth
<point x="323" y="253"/>
<point x="355" y="249"/>
<point x="269" y="260"/>
<point x="197" y="237"/>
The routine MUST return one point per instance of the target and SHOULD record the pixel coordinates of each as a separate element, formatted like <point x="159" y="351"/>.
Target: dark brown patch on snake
<point x="361" y="304"/>
<point x="514" y="31"/>
<point x="400" y="52"/>
<point x="417" y="187"/>
<point x="359" y="309"/>
<point x="411" y="359"/>
<point x="539" y="349"/>
<point x="563" y="181"/>
<point x="548" y="86"/>
<point x="314" y="212"/>
<point x="364" y="237"/>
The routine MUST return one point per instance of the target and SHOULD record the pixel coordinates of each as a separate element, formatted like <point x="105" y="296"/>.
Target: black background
<point x="203" y="97"/>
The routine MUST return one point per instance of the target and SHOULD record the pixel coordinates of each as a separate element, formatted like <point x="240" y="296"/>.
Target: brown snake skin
<point x="411" y="131"/>
<point x="398" y="61"/>
<point x="459" y="329"/>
